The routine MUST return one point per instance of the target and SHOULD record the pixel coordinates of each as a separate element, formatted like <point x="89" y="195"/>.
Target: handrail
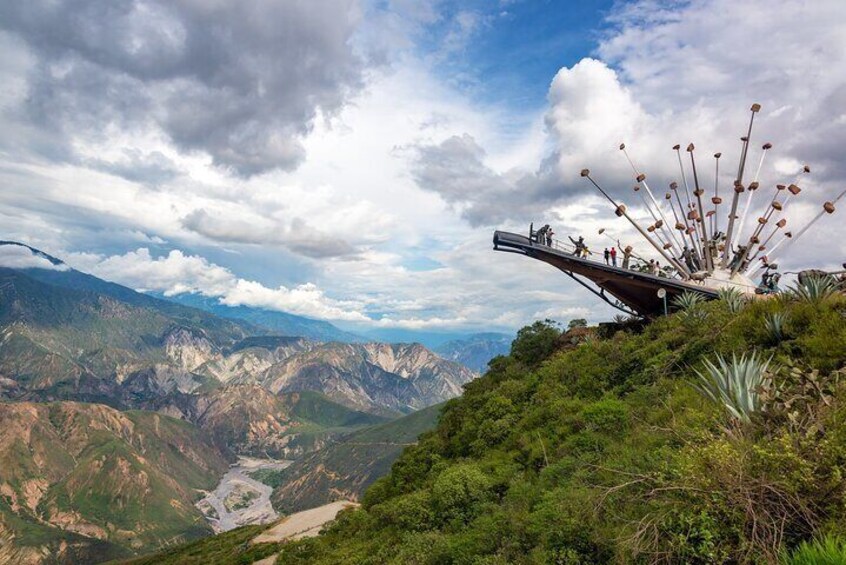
<point x="570" y="249"/>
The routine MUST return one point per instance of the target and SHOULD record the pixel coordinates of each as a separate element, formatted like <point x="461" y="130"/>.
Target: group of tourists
<point x="543" y="235"/>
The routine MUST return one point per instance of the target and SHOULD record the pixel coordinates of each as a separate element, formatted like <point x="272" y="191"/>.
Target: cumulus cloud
<point x="665" y="74"/>
<point x="239" y="81"/>
<point x="22" y="257"/>
<point x="178" y="273"/>
<point x="456" y="170"/>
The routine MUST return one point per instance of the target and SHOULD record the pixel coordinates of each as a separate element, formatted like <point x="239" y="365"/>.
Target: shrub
<point x="608" y="415"/>
<point x="458" y="493"/>
<point x="536" y="342"/>
<point x="735" y="385"/>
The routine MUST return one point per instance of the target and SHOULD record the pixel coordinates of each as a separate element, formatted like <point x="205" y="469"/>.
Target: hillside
<point x="58" y="342"/>
<point x="250" y="420"/>
<point x="373" y="377"/>
<point x="475" y="351"/>
<point x="595" y="449"/>
<point x="65" y="335"/>
<point x="344" y="470"/>
<point x="84" y="482"/>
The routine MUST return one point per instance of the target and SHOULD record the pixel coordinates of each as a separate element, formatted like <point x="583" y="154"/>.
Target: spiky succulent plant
<point x="735" y="384"/>
<point x="814" y="289"/>
<point x="733" y="298"/>
<point x="688" y="300"/>
<point x="774" y="324"/>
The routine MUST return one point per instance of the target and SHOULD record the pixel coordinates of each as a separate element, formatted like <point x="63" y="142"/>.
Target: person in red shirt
<point x="613" y="254"/>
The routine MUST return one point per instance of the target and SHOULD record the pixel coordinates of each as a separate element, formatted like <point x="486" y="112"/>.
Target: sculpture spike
<point x="621" y="211"/>
<point x="641" y="178"/>
<point x="738" y="183"/>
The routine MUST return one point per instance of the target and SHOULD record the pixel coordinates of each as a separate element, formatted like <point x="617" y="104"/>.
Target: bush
<point x="608" y="415"/>
<point x="459" y="492"/>
<point x="535" y="343"/>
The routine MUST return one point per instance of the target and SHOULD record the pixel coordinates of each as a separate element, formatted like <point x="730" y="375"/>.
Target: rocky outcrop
<point x="375" y="377"/>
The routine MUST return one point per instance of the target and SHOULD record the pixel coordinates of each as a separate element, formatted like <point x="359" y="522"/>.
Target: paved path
<point x="303" y="524"/>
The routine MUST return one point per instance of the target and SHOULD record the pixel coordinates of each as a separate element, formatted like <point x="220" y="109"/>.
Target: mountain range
<point x="475" y="351"/>
<point x="122" y="407"/>
<point x="278" y="322"/>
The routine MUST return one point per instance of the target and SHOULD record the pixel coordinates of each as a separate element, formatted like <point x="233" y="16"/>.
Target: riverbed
<point x="239" y="499"/>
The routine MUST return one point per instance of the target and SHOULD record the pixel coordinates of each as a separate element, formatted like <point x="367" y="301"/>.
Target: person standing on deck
<point x="607" y="255"/>
<point x="614" y="256"/>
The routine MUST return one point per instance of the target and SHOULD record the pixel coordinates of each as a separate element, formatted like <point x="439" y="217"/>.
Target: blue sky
<point x="518" y="46"/>
<point x="348" y="160"/>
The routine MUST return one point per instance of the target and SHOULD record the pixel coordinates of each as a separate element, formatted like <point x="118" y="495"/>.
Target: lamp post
<point x="662" y="293"/>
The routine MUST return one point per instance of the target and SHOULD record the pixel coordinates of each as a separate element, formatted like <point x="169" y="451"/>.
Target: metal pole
<point x="738" y="183"/>
<point x="698" y="192"/>
<point x="641" y="178"/>
<point x="621" y="211"/>
<point x="716" y="200"/>
<point x="753" y="186"/>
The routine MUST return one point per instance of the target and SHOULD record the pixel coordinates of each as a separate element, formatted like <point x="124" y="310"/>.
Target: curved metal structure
<point x="696" y="258"/>
<point x="636" y="292"/>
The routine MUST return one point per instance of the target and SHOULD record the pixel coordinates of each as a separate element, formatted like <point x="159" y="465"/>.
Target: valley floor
<point x="239" y="499"/>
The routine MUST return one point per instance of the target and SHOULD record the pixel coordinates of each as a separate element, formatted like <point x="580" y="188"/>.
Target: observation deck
<point x="631" y="291"/>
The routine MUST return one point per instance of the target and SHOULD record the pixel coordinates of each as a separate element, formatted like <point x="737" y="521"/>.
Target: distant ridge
<point x="277" y="322"/>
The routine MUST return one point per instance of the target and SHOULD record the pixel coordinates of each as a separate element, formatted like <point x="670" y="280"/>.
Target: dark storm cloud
<point x="241" y="81"/>
<point x="455" y="170"/>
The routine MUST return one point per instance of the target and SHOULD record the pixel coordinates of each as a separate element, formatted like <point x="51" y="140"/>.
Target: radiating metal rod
<point x="620" y="210"/>
<point x="738" y="183"/>
<point x="641" y="178"/>
<point x="703" y="224"/>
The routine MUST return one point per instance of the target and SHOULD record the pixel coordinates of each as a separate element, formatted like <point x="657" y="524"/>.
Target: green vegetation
<point x="343" y="470"/>
<point x="130" y="479"/>
<point x="316" y="408"/>
<point x="734" y="385"/>
<point x="828" y="551"/>
<point x="603" y="450"/>
<point x="240" y="498"/>
<point x="229" y="548"/>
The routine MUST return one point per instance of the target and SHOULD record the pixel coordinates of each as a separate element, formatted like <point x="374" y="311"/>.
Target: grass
<point x="229" y="548"/>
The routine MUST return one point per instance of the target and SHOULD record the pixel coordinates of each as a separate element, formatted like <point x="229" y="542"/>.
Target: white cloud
<point x="352" y="214"/>
<point x="178" y="273"/>
<point x="20" y="257"/>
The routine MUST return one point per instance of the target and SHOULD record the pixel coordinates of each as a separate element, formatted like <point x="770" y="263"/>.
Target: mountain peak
<point x="16" y="255"/>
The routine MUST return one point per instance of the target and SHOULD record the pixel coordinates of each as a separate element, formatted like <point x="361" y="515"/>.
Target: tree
<point x="577" y="323"/>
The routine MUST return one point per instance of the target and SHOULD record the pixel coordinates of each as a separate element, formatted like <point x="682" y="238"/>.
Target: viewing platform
<point x="631" y="291"/>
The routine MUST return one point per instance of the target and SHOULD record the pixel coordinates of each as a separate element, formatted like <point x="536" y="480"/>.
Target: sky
<point x="349" y="160"/>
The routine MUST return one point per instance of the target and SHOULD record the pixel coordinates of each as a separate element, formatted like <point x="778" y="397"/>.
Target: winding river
<point x="239" y="499"/>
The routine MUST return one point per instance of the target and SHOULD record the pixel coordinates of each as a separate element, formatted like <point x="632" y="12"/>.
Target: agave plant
<point x="734" y="299"/>
<point x="774" y="324"/>
<point x="814" y="289"/>
<point x="688" y="301"/>
<point x="736" y="385"/>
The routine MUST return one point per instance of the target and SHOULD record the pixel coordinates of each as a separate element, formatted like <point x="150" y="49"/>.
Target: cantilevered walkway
<point x="632" y="292"/>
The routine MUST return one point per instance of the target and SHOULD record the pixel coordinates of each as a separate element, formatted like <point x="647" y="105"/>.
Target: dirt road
<point x="303" y="524"/>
